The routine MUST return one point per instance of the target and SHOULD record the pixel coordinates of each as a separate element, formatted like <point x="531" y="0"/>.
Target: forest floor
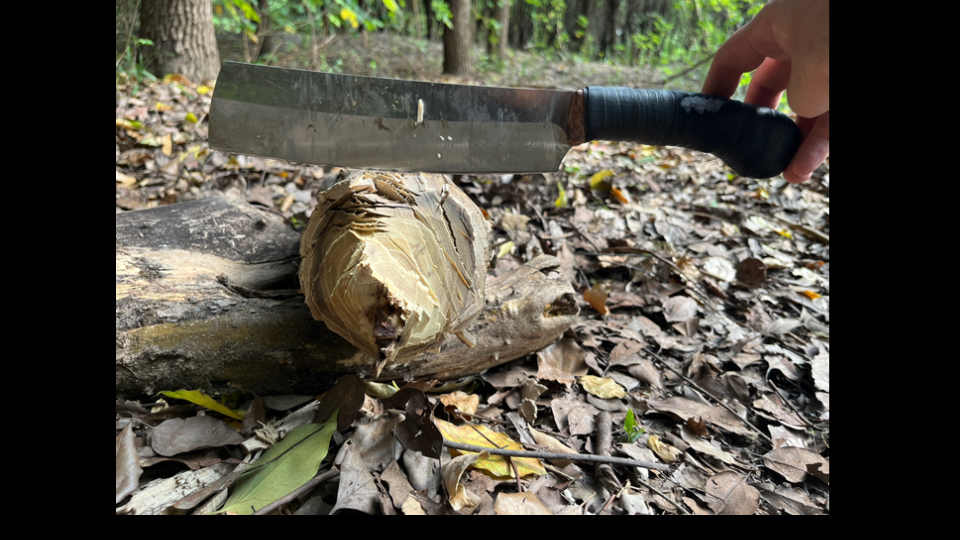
<point x="702" y="343"/>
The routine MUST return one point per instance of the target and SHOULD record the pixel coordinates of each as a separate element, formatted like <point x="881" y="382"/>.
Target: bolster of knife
<point x="756" y="142"/>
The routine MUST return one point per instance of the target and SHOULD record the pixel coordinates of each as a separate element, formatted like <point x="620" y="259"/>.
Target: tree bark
<point x="183" y="38"/>
<point x="207" y="297"/>
<point x="609" y="36"/>
<point x="458" y="41"/>
<point x="502" y="14"/>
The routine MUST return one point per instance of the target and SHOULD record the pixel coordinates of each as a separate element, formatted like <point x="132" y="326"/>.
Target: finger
<point x="808" y="91"/>
<point x="768" y="83"/>
<point x="734" y="58"/>
<point x="813" y="150"/>
<point x="743" y="52"/>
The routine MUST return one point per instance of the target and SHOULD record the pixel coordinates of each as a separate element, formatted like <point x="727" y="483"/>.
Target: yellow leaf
<point x="203" y="89"/>
<point x="460" y="497"/>
<point x="350" y="17"/>
<point x="666" y="452"/>
<point x="597" y="181"/>
<point x="163" y="107"/>
<point x="506" y="248"/>
<point x="495" y="465"/>
<point x="465" y="403"/>
<point x="198" y="397"/>
<point x="810" y="294"/>
<point x="391" y="5"/>
<point x="602" y="387"/>
<point x="192" y="118"/>
<point x="561" y="201"/>
<point x="125" y="180"/>
<point x="167" y="147"/>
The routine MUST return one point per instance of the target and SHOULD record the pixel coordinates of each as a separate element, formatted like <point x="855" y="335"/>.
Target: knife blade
<point x="389" y="124"/>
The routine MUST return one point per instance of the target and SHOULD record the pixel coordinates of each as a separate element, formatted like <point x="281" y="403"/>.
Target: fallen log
<point x="208" y="298"/>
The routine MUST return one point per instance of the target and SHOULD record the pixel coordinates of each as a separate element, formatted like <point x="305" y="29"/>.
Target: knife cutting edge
<point x="374" y="123"/>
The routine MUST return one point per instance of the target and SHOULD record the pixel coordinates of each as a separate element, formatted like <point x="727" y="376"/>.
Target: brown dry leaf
<point x="167" y="146"/>
<point x="704" y="447"/>
<point x="730" y="495"/>
<point x="791" y="500"/>
<point x="397" y="484"/>
<point x="125" y="180"/>
<point x="452" y="471"/>
<point x="416" y="432"/>
<point x="375" y="442"/>
<point x="679" y="308"/>
<point x="667" y="453"/>
<point x="358" y="490"/>
<point x="646" y="372"/>
<point x="465" y="403"/>
<point x="481" y="436"/>
<point x="347" y="395"/>
<point x="751" y="272"/>
<point x="128" y="466"/>
<point x="520" y="504"/>
<point x="602" y="387"/>
<point x="795" y="463"/>
<point x="820" y="367"/>
<point x="686" y="409"/>
<point x="563" y="362"/>
<point x="411" y="507"/>
<point x="176" y="436"/>
<point x="596" y="296"/>
<point x="574" y="417"/>
<point x="553" y="445"/>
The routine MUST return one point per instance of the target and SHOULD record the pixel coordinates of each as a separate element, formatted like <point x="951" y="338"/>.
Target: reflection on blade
<point x="364" y="122"/>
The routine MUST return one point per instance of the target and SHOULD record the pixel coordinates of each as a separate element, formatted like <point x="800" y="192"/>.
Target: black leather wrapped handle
<point x="756" y="142"/>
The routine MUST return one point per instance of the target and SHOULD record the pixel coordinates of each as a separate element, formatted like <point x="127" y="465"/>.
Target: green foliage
<point x="442" y="12"/>
<point x="130" y="68"/>
<point x="631" y="427"/>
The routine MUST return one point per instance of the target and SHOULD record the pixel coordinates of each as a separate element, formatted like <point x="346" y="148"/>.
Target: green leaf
<point x="198" y="397"/>
<point x="283" y="468"/>
<point x="632" y="427"/>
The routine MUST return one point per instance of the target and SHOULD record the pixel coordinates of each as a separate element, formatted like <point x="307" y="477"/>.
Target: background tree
<point x="502" y="15"/>
<point x="458" y="40"/>
<point x="183" y="38"/>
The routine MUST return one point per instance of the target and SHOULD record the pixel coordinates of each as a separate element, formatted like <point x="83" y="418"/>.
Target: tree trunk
<point x="502" y="14"/>
<point x="609" y="36"/>
<point x="183" y="38"/>
<point x="632" y="26"/>
<point x="458" y="41"/>
<point x="433" y="25"/>
<point x="521" y="31"/>
<point x="208" y="297"/>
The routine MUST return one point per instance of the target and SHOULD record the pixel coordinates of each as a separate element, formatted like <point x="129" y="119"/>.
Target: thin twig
<point x="688" y="70"/>
<point x="660" y="493"/>
<point x="790" y="404"/>
<point x="719" y="402"/>
<point x="314" y="482"/>
<point x="556" y="455"/>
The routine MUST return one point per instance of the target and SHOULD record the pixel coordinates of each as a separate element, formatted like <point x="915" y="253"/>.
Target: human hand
<point x="788" y="43"/>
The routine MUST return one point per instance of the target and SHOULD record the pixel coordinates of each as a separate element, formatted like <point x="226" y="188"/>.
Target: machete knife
<point x="373" y="123"/>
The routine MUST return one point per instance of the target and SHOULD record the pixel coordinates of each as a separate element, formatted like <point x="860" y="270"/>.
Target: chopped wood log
<point x="208" y="298"/>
